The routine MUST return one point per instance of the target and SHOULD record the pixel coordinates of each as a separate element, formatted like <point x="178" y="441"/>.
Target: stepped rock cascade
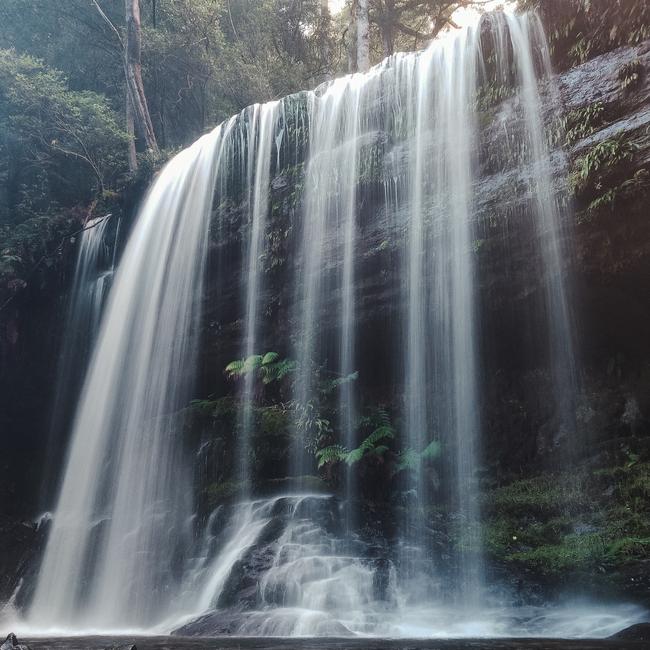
<point x="92" y="277"/>
<point x="279" y="217"/>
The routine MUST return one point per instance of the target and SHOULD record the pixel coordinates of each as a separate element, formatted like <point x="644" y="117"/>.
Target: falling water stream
<point x="92" y="277"/>
<point x="121" y="553"/>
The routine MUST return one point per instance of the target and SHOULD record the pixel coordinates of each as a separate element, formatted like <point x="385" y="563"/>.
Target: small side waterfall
<point x="393" y="159"/>
<point x="92" y="277"/>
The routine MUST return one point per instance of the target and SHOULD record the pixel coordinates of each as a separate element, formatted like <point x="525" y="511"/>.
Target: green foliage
<point x="630" y="74"/>
<point x="634" y="187"/>
<point x="546" y="495"/>
<point x="594" y="164"/>
<point x="489" y="95"/>
<point x="574" y="522"/>
<point x="23" y="245"/>
<point x="581" y="29"/>
<point x="579" y="124"/>
<point x="269" y="367"/>
<point x="370" y="445"/>
<point x="217" y="493"/>
<point x="410" y="459"/>
<point x="580" y="50"/>
<point x="328" y="386"/>
<point x="58" y="146"/>
<point x="310" y="425"/>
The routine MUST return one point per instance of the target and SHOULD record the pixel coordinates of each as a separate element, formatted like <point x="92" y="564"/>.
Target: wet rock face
<point x="297" y="575"/>
<point x="610" y="240"/>
<point x="21" y="543"/>
<point x="12" y="643"/>
<point x="638" y="632"/>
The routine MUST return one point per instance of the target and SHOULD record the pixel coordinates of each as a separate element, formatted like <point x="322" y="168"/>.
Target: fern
<point x="269" y="366"/>
<point x="411" y="459"/>
<point x="431" y="451"/>
<point x="331" y="454"/>
<point x="330" y="385"/>
<point x="269" y="358"/>
<point x="339" y="453"/>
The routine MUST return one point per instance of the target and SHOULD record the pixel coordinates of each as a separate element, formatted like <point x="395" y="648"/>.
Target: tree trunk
<point x="363" y="36"/>
<point x="351" y="40"/>
<point x="133" y="73"/>
<point x="130" y="129"/>
<point x="387" y="27"/>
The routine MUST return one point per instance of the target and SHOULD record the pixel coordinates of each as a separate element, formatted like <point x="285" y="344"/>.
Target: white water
<point x="315" y="583"/>
<point x="262" y="127"/>
<point x="110" y="554"/>
<point x="120" y="554"/>
<point x="92" y="277"/>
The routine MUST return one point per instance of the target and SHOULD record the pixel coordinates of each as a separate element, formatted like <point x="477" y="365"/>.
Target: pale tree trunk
<point x="387" y="27"/>
<point x="130" y="129"/>
<point x="133" y="72"/>
<point x="363" y="36"/>
<point x="351" y="40"/>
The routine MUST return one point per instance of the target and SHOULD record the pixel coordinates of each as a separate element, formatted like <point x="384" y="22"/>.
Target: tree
<point x="137" y="99"/>
<point x="410" y="24"/>
<point x="363" y="35"/>
<point x="58" y="146"/>
<point x="137" y="110"/>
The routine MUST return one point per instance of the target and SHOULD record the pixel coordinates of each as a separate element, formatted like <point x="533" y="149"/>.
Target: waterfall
<point x="126" y="491"/>
<point x="554" y="233"/>
<point x="391" y="159"/>
<point x="260" y="139"/>
<point x="89" y="286"/>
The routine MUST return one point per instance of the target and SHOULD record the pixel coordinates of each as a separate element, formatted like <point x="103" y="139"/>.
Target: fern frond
<point x="431" y="451"/>
<point x="355" y="455"/>
<point x="235" y="368"/>
<point x="331" y="454"/>
<point x="269" y="358"/>
<point x="408" y="459"/>
<point x="253" y="362"/>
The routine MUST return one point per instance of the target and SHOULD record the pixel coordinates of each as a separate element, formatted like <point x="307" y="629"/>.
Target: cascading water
<point x="260" y="139"/>
<point x="440" y="343"/>
<point x="121" y="553"/>
<point x="115" y="537"/>
<point x="527" y="36"/>
<point x="92" y="276"/>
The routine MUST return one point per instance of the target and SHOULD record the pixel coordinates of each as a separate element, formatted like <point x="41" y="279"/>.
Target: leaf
<point x="432" y="450"/>
<point x="269" y="357"/>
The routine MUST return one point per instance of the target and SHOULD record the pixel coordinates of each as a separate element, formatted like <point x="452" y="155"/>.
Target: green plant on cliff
<point x="409" y="459"/>
<point x="574" y="522"/>
<point x="268" y="367"/>
<point x="590" y="168"/>
<point x="634" y="187"/>
<point x="578" y="124"/>
<point x="489" y="95"/>
<point x="371" y="445"/>
<point x="630" y="74"/>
